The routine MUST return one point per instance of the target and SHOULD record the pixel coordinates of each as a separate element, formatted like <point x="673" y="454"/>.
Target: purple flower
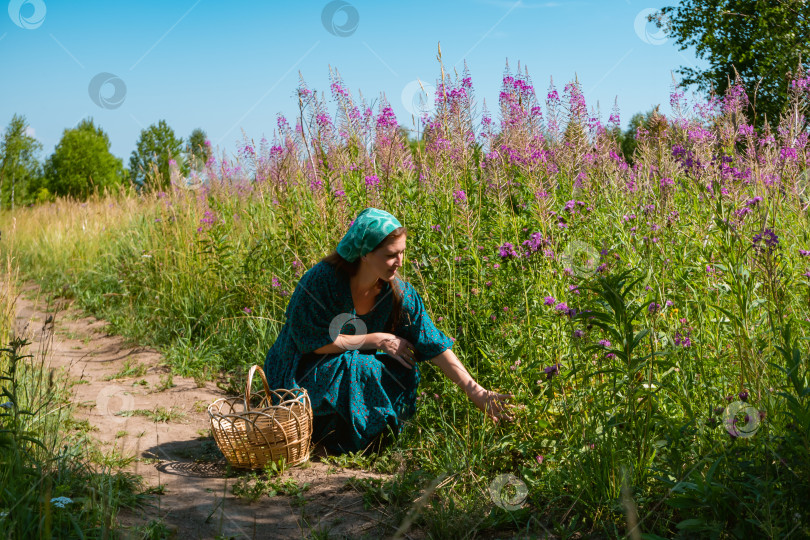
<point x="753" y="202"/>
<point x="534" y="243"/>
<point x="372" y="181"/>
<point x="552" y="370"/>
<point x="563" y="307"/>
<point x="459" y="196"/>
<point x="246" y="309"/>
<point x="604" y="343"/>
<point x="804" y="253"/>
<point x="653" y="308"/>
<point x="436" y="228"/>
<point x="683" y="340"/>
<point x="549" y="300"/>
<point x="743" y="396"/>
<point x="769" y="238"/>
<point x="579" y="334"/>
<point x="276" y="282"/>
<point x="507" y="250"/>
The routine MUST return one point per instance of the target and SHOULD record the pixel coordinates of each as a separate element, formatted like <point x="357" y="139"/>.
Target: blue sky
<point x="228" y="67"/>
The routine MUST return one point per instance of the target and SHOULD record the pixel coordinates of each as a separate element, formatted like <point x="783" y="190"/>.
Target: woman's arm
<point x="491" y="403"/>
<point x="394" y="346"/>
<point x="348" y="342"/>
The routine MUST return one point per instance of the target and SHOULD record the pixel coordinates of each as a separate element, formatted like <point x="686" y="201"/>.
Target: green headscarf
<point x="369" y="228"/>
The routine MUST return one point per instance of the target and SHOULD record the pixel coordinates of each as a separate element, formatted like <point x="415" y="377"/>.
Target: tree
<point x="149" y="163"/>
<point x="198" y="149"/>
<point x="82" y="163"/>
<point x="19" y="166"/>
<point x="762" y="40"/>
<point x="627" y="140"/>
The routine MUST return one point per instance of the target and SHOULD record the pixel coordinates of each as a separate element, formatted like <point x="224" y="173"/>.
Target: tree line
<point x="82" y="163"/>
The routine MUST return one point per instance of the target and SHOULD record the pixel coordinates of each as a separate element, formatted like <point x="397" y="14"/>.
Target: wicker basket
<point x="251" y="430"/>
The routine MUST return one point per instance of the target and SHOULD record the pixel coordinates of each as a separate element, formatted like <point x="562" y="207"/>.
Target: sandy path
<point x="178" y="455"/>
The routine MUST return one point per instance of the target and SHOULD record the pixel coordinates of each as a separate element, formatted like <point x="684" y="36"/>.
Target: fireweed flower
<point x="460" y="196"/>
<point x="753" y="202"/>
<point x="372" y="181"/>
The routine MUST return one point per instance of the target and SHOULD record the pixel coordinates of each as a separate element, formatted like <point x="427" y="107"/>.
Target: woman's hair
<point x="349" y="270"/>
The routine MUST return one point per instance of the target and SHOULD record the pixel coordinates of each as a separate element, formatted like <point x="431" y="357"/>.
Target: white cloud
<point x="31" y="132"/>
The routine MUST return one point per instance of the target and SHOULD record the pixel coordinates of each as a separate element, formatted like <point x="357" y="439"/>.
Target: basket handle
<point x="254" y="369"/>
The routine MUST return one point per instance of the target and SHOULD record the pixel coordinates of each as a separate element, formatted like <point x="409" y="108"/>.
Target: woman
<point x="353" y="335"/>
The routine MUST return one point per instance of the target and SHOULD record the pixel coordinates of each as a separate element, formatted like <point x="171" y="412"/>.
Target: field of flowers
<point x="650" y="313"/>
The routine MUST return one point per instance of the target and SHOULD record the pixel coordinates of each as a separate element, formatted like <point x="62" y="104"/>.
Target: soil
<point x="173" y="450"/>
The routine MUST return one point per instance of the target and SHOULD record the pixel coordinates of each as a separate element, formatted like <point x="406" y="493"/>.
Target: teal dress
<point x="356" y="395"/>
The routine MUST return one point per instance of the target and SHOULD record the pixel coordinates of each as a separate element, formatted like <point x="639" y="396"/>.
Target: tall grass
<point x="50" y="485"/>
<point x="644" y="313"/>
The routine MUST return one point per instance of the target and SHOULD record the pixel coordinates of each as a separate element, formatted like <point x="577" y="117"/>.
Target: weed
<point x="159" y="414"/>
<point x="166" y="382"/>
<point x="130" y="368"/>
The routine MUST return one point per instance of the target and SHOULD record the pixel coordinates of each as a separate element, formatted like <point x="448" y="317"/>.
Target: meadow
<point x="649" y="312"/>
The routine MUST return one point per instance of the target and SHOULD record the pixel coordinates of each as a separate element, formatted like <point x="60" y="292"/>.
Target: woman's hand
<point x="399" y="348"/>
<point x="492" y="403"/>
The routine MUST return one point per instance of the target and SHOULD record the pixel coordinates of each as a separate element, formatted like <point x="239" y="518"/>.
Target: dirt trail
<point x="178" y="456"/>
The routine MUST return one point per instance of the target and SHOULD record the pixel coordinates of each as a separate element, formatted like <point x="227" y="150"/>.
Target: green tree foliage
<point x="198" y="149"/>
<point x="627" y="140"/>
<point x="149" y="163"/>
<point x="19" y="167"/>
<point x="82" y="163"/>
<point x="764" y="40"/>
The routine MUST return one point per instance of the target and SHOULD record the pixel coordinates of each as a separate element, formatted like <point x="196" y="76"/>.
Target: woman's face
<point x="385" y="260"/>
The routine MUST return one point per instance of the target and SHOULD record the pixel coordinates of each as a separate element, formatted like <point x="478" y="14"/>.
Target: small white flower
<point x="6" y="405"/>
<point x="60" y="502"/>
<point x="3" y="514"/>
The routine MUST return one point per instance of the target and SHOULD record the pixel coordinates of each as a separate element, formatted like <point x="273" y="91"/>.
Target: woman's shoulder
<point x="409" y="293"/>
<point x="319" y="271"/>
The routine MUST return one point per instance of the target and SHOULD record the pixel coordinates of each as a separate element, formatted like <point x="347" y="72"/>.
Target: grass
<point x="638" y="307"/>
<point x="54" y="481"/>
<point x="159" y="414"/>
<point x="130" y="369"/>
